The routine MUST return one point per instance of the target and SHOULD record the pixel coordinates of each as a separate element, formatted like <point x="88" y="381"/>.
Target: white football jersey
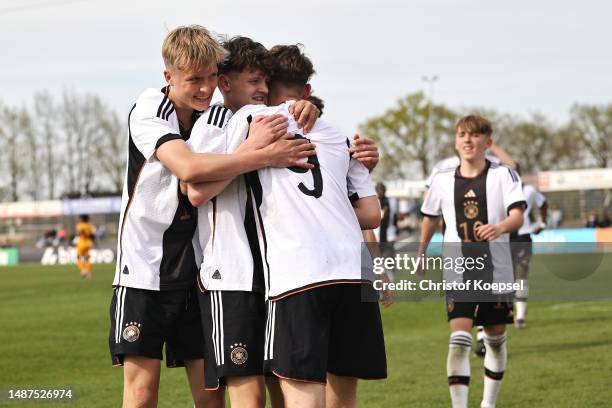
<point x="307" y="233"/>
<point x="226" y="262"/>
<point x="534" y="199"/>
<point x="156" y="223"/>
<point x="453" y="162"/>
<point x="465" y="203"/>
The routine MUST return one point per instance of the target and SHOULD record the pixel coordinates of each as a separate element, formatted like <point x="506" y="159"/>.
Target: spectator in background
<point x="100" y="233"/>
<point x="47" y="239"/>
<point x="555" y="217"/>
<point x="604" y="221"/>
<point x="61" y="237"/>
<point x="592" y="220"/>
<point x="407" y="219"/>
<point x="385" y="210"/>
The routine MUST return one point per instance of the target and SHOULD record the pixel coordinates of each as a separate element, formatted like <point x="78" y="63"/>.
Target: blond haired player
<point x="154" y="305"/>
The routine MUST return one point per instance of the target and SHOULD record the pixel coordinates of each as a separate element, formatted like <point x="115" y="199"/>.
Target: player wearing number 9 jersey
<point x="310" y="243"/>
<point x="295" y="204"/>
<point x="302" y="229"/>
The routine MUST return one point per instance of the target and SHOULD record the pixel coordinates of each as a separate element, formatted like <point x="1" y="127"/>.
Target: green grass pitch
<point x="54" y="331"/>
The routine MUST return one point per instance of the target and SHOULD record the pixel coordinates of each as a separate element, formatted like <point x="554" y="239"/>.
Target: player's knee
<point x="209" y="399"/>
<point x="254" y="401"/>
<point x="142" y="396"/>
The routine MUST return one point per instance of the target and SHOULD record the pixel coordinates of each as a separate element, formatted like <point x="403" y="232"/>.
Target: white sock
<point x="521" y="309"/>
<point x="458" y="367"/>
<point x="495" y="364"/>
<point x="480" y="333"/>
<point x="520" y="297"/>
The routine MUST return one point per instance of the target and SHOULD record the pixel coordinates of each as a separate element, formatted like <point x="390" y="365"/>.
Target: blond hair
<point x="191" y="47"/>
<point x="475" y="124"/>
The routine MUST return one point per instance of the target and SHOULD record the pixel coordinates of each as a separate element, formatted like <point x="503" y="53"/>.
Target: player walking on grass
<point x="495" y="154"/>
<point x="85" y="235"/>
<point x="522" y="248"/>
<point x="155" y="299"/>
<point x="479" y="201"/>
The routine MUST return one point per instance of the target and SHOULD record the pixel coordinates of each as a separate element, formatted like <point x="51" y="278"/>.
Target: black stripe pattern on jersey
<point x="252" y="218"/>
<point x="165" y="108"/>
<point x="216" y="116"/>
<point x="470" y="199"/>
<point x="178" y="269"/>
<point x="167" y="115"/>
<point x="512" y="175"/>
<point x="135" y="159"/>
<point x="136" y="162"/>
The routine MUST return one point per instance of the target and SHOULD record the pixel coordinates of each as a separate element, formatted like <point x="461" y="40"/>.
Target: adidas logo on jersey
<point x="216" y="275"/>
<point x="470" y="194"/>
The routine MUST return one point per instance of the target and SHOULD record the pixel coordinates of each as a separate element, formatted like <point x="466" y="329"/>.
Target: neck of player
<point x="183" y="112"/>
<point x="472" y="167"/>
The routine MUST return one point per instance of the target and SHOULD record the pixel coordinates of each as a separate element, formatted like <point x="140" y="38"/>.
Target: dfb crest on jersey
<point x="470" y="209"/>
<point x="239" y="354"/>
<point x="131" y="332"/>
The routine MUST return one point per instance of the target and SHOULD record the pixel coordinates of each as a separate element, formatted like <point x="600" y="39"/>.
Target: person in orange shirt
<point x="85" y="234"/>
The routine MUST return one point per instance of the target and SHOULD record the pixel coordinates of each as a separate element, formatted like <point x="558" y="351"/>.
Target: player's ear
<point x="489" y="141"/>
<point x="307" y="91"/>
<point x="224" y="83"/>
<point x="167" y="76"/>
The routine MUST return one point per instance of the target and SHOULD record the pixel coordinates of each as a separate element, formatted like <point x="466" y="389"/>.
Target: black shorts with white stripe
<point x="233" y="323"/>
<point x="142" y="321"/>
<point x="326" y="329"/>
<point x="497" y="311"/>
<point x="522" y="251"/>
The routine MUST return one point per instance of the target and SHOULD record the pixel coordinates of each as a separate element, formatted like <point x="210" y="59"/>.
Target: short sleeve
<point x="359" y="182"/>
<point x="148" y="132"/>
<point x="431" y="176"/>
<point x="512" y="190"/>
<point x="237" y="130"/>
<point x="207" y="138"/>
<point x="432" y="204"/>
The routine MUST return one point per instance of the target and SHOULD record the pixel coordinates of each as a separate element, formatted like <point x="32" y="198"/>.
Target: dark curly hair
<point x="244" y="53"/>
<point x="291" y="66"/>
<point x="318" y="102"/>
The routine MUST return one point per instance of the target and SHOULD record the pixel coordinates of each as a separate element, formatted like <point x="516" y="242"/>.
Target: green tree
<point x="403" y="137"/>
<point x="592" y="125"/>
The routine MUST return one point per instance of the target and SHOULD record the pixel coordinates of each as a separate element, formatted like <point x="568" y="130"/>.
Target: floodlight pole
<point x="430" y="80"/>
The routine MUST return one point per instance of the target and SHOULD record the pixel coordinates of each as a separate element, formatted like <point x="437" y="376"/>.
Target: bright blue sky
<point x="519" y="57"/>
